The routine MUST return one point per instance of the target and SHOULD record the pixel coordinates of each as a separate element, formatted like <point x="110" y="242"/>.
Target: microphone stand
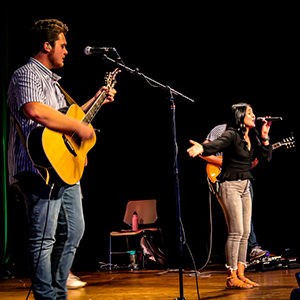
<point x="178" y="201"/>
<point x="172" y="92"/>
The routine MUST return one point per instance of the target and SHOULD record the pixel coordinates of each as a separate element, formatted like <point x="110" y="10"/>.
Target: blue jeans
<point x="252" y="241"/>
<point x="235" y="200"/>
<point x="56" y="226"/>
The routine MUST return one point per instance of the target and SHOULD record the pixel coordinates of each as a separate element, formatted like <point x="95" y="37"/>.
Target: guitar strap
<point x="68" y="97"/>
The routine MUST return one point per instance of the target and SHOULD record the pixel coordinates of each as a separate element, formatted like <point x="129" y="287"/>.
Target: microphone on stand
<point x="269" y="118"/>
<point x="96" y="50"/>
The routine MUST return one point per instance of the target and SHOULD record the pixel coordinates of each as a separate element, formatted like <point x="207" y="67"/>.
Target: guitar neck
<point x="276" y="145"/>
<point x="94" y="108"/>
<point x="110" y="83"/>
<point x="287" y="142"/>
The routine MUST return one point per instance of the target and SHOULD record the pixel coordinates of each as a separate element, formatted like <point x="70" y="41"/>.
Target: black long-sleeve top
<point x="237" y="158"/>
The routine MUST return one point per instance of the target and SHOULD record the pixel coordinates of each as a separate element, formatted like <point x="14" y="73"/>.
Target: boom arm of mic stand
<point x="148" y="79"/>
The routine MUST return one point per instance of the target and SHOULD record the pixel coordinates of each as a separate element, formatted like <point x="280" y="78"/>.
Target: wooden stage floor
<point x="166" y="285"/>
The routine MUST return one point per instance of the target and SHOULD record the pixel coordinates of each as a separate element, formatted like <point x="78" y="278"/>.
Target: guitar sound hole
<point x="69" y="145"/>
<point x="76" y="139"/>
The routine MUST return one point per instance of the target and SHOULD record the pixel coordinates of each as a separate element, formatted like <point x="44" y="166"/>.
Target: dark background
<point x="215" y="56"/>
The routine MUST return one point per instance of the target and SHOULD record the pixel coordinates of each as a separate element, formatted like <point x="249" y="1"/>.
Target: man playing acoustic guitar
<point x="54" y="200"/>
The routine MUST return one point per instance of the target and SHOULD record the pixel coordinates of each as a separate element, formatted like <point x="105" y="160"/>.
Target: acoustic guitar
<point x="59" y="156"/>
<point x="213" y="171"/>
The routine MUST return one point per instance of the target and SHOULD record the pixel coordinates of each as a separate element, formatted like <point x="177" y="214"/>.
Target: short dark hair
<point x="46" y="30"/>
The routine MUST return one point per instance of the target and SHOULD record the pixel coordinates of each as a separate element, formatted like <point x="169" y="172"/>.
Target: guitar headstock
<point x="287" y="142"/>
<point x="110" y="78"/>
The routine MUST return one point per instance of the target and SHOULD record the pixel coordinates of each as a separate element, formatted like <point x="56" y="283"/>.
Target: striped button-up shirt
<point x="32" y="82"/>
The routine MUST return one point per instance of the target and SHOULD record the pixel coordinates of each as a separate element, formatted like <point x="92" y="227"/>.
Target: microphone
<point x="269" y="118"/>
<point x="95" y="50"/>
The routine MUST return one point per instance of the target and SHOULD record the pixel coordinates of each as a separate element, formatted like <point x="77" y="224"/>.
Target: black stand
<point x="173" y="92"/>
<point x="178" y="201"/>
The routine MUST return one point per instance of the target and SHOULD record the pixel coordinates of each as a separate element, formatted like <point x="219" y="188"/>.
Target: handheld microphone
<point x="269" y="118"/>
<point x="95" y="50"/>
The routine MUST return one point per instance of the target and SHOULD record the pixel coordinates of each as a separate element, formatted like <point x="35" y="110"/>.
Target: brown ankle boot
<point x="233" y="282"/>
<point x="242" y="277"/>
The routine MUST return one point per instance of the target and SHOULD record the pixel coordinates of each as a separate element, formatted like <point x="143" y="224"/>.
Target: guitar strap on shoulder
<point x="68" y="97"/>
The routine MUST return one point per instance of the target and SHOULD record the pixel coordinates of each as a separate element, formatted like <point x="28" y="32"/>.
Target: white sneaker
<point x="74" y="282"/>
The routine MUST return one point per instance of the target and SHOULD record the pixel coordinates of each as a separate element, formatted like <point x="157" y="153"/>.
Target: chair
<point x="147" y="222"/>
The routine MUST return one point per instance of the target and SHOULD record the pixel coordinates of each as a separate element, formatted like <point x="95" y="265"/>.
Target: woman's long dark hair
<point x="238" y="112"/>
<point x="236" y="121"/>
